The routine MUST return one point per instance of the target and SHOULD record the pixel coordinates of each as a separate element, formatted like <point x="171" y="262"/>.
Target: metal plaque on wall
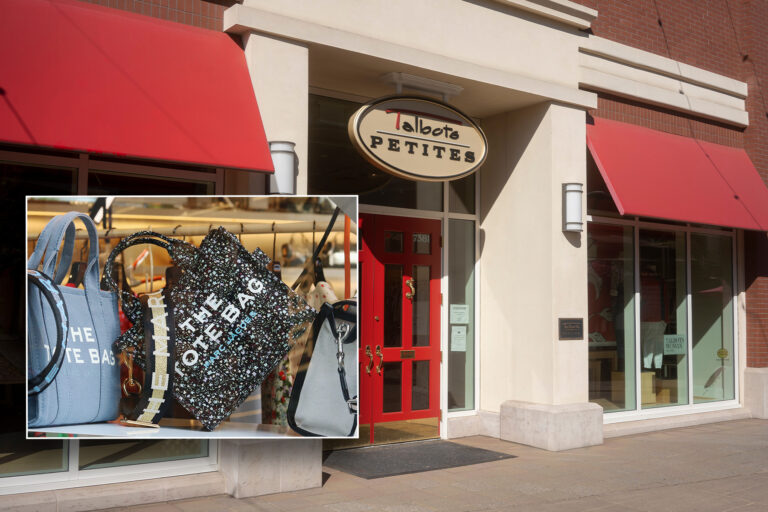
<point x="571" y="328"/>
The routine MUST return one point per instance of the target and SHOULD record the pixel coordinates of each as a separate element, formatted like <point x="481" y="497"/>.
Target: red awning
<point x="82" y="77"/>
<point x="655" y="174"/>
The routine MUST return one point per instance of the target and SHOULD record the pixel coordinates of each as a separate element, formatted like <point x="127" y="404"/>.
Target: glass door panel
<point x="393" y="383"/>
<point x="420" y="385"/>
<point x="393" y="305"/>
<point x="712" y="315"/>
<point x="663" y="319"/>
<point x="421" y="306"/>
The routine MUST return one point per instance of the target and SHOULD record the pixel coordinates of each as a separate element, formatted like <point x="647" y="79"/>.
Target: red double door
<point x="399" y="359"/>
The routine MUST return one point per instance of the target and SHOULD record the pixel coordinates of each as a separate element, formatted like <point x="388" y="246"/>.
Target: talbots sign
<point x="418" y="138"/>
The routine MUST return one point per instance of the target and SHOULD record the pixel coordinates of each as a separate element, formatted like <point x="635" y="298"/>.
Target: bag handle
<point x="47" y="248"/>
<point x="52" y="294"/>
<point x="131" y="304"/>
<point x="50" y="231"/>
<point x="319" y="247"/>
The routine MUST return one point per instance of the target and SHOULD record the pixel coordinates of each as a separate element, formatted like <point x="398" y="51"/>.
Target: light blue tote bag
<point x="86" y="387"/>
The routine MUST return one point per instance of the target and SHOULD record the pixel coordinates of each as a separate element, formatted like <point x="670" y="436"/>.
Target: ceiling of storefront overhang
<point x="360" y="75"/>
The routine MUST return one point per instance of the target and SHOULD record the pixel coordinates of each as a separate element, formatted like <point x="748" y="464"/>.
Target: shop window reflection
<point x="461" y="329"/>
<point x="335" y="167"/>
<point x="712" y="314"/>
<point x="611" y="324"/>
<point x="106" y="454"/>
<point x="663" y="319"/>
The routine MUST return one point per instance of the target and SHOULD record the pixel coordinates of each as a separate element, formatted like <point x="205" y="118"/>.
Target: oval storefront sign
<point x="418" y="138"/>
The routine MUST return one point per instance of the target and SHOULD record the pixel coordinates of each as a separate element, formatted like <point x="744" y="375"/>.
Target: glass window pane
<point x="335" y="167"/>
<point x="393" y="305"/>
<point x="461" y="331"/>
<point x="712" y="315"/>
<point x="461" y="195"/>
<point x="106" y="183"/>
<point x="393" y="241"/>
<point x="611" y="325"/>
<point x="420" y="312"/>
<point x="663" y="319"/>
<point x="20" y="457"/>
<point x="422" y="243"/>
<point x="420" y="388"/>
<point x="106" y="454"/>
<point x="392" y="373"/>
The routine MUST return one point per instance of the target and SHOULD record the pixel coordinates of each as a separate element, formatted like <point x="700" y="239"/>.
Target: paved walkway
<point x="716" y="467"/>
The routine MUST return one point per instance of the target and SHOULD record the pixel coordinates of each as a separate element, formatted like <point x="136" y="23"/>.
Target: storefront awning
<point x="88" y="78"/>
<point x="655" y="174"/>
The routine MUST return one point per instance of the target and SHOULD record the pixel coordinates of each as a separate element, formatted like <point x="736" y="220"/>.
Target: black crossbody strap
<point x="159" y="340"/>
<point x="319" y="246"/>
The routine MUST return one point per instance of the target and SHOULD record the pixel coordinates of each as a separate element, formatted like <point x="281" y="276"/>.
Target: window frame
<point x="75" y="477"/>
<point x="736" y="275"/>
<point x="83" y="163"/>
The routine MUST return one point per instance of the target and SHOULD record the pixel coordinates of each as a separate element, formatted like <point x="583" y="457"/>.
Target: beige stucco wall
<point x="484" y="33"/>
<point x="279" y="72"/>
<point x="531" y="272"/>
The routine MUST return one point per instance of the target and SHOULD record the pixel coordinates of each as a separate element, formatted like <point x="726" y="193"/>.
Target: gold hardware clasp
<point x="370" y="360"/>
<point x="381" y="359"/>
<point x="412" y="293"/>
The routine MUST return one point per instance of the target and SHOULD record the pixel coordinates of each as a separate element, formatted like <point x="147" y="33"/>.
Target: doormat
<point x="405" y="458"/>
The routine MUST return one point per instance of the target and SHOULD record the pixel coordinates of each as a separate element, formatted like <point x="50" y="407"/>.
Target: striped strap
<point x="159" y="340"/>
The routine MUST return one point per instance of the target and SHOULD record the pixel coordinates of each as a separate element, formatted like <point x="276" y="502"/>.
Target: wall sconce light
<point x="283" y="181"/>
<point x="572" y="218"/>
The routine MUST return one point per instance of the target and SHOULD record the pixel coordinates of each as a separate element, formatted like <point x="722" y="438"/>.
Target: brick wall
<point x="666" y="120"/>
<point x="756" y="256"/>
<point x="728" y="37"/>
<point x="198" y="13"/>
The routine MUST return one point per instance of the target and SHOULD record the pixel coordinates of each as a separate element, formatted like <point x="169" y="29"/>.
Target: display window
<point x="661" y="315"/>
<point x="33" y="464"/>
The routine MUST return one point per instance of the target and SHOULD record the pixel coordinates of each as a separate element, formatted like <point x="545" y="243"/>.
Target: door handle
<point x="370" y="359"/>
<point x="412" y="293"/>
<point x="381" y="359"/>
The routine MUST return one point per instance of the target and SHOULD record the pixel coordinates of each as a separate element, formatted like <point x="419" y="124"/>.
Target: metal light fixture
<point x="573" y="221"/>
<point x="283" y="181"/>
<point x="422" y="84"/>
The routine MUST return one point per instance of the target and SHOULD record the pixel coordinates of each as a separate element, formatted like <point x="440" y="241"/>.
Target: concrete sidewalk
<point x="715" y="467"/>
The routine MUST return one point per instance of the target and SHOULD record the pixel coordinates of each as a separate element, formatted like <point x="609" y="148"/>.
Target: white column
<point x="280" y="76"/>
<point x="532" y="274"/>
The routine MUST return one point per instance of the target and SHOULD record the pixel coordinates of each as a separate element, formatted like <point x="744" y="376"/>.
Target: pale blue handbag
<point x="86" y="387"/>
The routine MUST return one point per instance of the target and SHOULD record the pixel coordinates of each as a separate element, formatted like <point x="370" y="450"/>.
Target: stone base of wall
<point x="756" y="392"/>
<point x="551" y="427"/>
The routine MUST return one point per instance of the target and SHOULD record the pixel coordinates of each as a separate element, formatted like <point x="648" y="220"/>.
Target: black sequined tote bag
<point x="234" y="320"/>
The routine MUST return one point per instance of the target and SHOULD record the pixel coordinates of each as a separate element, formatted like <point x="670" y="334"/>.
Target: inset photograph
<point x="187" y="317"/>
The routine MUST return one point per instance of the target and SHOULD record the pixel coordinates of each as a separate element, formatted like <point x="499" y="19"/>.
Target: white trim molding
<point x="563" y="11"/>
<point x="240" y="19"/>
<point x="628" y="72"/>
